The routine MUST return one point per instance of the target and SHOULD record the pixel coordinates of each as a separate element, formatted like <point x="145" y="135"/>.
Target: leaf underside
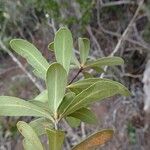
<point x="84" y="47"/>
<point x="105" y="61"/>
<point x="39" y="125"/>
<point x="63" y="46"/>
<point x="31" y="138"/>
<point x="32" y="55"/>
<point x="95" y="140"/>
<point x="56" y="85"/>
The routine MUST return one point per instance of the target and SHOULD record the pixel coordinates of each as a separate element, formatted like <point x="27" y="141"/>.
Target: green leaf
<point x="51" y="46"/>
<point x="65" y="102"/>
<point x="73" y="122"/>
<point x="42" y="97"/>
<point x="30" y="136"/>
<point x="85" y="115"/>
<point x="105" y="61"/>
<point x="98" y="69"/>
<point x="97" y="91"/>
<point x="74" y="60"/>
<point x="27" y="145"/>
<point x="39" y="125"/>
<point x="83" y="84"/>
<point x="12" y="106"/>
<point x="41" y="104"/>
<point x="76" y="90"/>
<point x="87" y="75"/>
<point x="63" y="46"/>
<point x="56" y="139"/>
<point x="31" y="54"/>
<point x="84" y="48"/>
<point x="95" y="140"/>
<point x="79" y="86"/>
<point x="56" y="85"/>
<point x="39" y="75"/>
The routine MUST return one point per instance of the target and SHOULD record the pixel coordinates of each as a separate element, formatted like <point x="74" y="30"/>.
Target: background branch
<point x="124" y="35"/>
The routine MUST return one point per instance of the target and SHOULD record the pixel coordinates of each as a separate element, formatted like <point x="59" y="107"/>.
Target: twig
<point x="30" y="76"/>
<point x="80" y="70"/>
<point x="95" y="40"/>
<point x="83" y="130"/>
<point x="138" y="36"/>
<point x="8" y="70"/>
<point x="70" y="131"/>
<point x="108" y="4"/>
<point x="124" y="34"/>
<point x="141" y="44"/>
<point x="127" y="29"/>
<point x="51" y="23"/>
<point x="132" y="75"/>
<point x="67" y="145"/>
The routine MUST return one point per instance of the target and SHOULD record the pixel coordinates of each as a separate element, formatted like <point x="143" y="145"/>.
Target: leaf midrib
<point x="34" y="58"/>
<point x="83" y="99"/>
<point x="63" y="54"/>
<point x="67" y="108"/>
<point x="93" y="93"/>
<point x="55" y="98"/>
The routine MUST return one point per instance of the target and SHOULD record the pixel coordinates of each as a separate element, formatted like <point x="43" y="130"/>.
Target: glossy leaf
<point x="51" y="46"/>
<point x="56" y="139"/>
<point x="85" y="115"/>
<point x="63" y="46"/>
<point x="73" y="122"/>
<point x="95" y="140"/>
<point x="31" y="54"/>
<point x="84" y="47"/>
<point x="31" y="137"/>
<point x="39" y="125"/>
<point x="56" y="85"/>
<point x="97" y="91"/>
<point x="42" y="97"/>
<point x="12" y="106"/>
<point x="105" y="61"/>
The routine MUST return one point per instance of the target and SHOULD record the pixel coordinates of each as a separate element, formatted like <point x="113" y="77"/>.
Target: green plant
<point x="62" y="99"/>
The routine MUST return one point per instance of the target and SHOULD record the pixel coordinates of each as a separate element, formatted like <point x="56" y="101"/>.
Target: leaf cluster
<point x="61" y="99"/>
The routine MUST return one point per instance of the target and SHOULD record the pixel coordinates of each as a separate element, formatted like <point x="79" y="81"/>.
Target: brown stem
<point x="80" y="70"/>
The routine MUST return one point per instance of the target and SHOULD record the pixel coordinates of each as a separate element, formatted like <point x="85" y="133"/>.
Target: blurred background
<point x="114" y="27"/>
